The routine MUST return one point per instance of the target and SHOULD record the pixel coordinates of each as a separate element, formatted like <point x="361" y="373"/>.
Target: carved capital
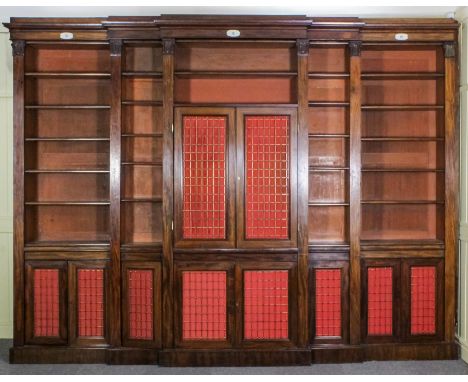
<point x="354" y="48"/>
<point x="302" y="47"/>
<point x="449" y="49"/>
<point x="18" y="47"/>
<point x="115" y="47"/>
<point x="168" y="46"/>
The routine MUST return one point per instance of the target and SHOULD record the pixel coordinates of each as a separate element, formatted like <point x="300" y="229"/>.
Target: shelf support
<point x="18" y="50"/>
<point x="168" y="171"/>
<point x="355" y="191"/>
<point x="115" y="158"/>
<point x="302" y="190"/>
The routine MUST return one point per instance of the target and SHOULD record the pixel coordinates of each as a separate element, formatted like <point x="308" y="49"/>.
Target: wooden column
<point x="451" y="188"/>
<point x="18" y="189"/>
<point x="355" y="190"/>
<point x="168" y="171"/>
<point x="302" y="189"/>
<point x="115" y="170"/>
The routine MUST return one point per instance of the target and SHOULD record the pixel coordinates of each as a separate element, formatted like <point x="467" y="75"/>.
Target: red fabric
<point x="423" y="300"/>
<point x="46" y="303"/>
<point x="204" y="201"/>
<point x="266" y="305"/>
<point x="140" y="304"/>
<point x="267" y="177"/>
<point x="204" y="305"/>
<point x="90" y="302"/>
<point x="328" y="302"/>
<point x="380" y="301"/>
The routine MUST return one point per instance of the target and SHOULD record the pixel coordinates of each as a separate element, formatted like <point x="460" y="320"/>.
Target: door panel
<point x="266" y="187"/>
<point x="204" y="177"/>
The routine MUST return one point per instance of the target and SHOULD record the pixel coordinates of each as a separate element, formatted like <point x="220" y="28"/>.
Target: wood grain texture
<point x="115" y="174"/>
<point x="18" y="193"/>
<point x="168" y="199"/>
<point x="302" y="190"/>
<point x="355" y="193"/>
<point x="451" y="191"/>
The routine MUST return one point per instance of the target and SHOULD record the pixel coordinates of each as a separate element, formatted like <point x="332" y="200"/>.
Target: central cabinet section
<point x="235" y="199"/>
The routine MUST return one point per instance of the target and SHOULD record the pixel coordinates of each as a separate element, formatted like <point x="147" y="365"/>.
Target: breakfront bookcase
<point x="234" y="190"/>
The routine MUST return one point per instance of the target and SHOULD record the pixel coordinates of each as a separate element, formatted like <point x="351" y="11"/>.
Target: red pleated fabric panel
<point x="423" y="300"/>
<point x="204" y="305"/>
<point x="266" y="305"/>
<point x="140" y="300"/>
<point x="328" y="302"/>
<point x="90" y="302"/>
<point x="46" y="303"/>
<point x="204" y="190"/>
<point x="380" y="301"/>
<point x="267" y="177"/>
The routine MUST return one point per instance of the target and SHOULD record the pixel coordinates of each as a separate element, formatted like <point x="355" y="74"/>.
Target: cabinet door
<point x="266" y="168"/>
<point x="204" y="177"/>
<point x="88" y="295"/>
<point x="141" y="304"/>
<point x="381" y="301"/>
<point x="46" y="302"/>
<point x="422" y="299"/>
<point x="204" y="305"/>
<point x="266" y="304"/>
<point x="329" y="302"/>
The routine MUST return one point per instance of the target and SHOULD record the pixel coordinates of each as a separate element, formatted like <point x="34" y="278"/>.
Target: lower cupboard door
<point x="141" y="304"/>
<point x="268" y="316"/>
<point x="46" y="302"/>
<point x="88" y="294"/>
<point x="423" y="299"/>
<point x="204" y="305"/>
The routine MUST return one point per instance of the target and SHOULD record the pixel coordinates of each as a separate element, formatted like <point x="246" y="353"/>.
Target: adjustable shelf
<point x="68" y="203"/>
<point x="68" y="74"/>
<point x="234" y="73"/>
<point x="402" y="107"/>
<point x="417" y="139"/>
<point x="66" y="107"/>
<point x="402" y="75"/>
<point x="67" y="139"/>
<point x="328" y="104"/>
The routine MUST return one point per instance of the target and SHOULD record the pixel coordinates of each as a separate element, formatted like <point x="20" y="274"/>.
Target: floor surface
<point x="408" y="367"/>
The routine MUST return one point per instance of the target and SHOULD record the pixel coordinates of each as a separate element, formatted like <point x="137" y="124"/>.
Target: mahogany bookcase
<point x="234" y="190"/>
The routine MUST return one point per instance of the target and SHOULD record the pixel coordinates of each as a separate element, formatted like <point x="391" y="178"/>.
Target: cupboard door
<point x="266" y="165"/>
<point x="269" y="310"/>
<point x="46" y="302"/>
<point x="141" y="301"/>
<point x="204" y="305"/>
<point x="329" y="310"/>
<point x="381" y="301"/>
<point x="423" y="299"/>
<point x="204" y="177"/>
<point x="88" y="295"/>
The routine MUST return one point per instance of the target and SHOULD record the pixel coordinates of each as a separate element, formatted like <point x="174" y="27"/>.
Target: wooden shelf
<point x="328" y="104"/>
<point x="66" y="107"/>
<point x="68" y="203"/>
<point x="142" y="103"/>
<point x="403" y="75"/>
<point x="402" y="170"/>
<point x="315" y="168"/>
<point x="68" y="74"/>
<point x="328" y="75"/>
<point x="142" y="74"/>
<point x="417" y="139"/>
<point x="141" y="200"/>
<point x="327" y="204"/>
<point x="141" y="135"/>
<point x="401" y="107"/>
<point x="67" y="171"/>
<point x="401" y="202"/>
<point x="402" y="245"/>
<point x="67" y="139"/>
<point x="142" y="163"/>
<point x="234" y="74"/>
<point x="328" y="135"/>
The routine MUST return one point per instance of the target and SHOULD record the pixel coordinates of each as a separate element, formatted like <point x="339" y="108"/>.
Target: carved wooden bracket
<point x="18" y="47"/>
<point x="354" y="48"/>
<point x="168" y="46"/>
<point x="115" y="47"/>
<point x="302" y="47"/>
<point x="449" y="49"/>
